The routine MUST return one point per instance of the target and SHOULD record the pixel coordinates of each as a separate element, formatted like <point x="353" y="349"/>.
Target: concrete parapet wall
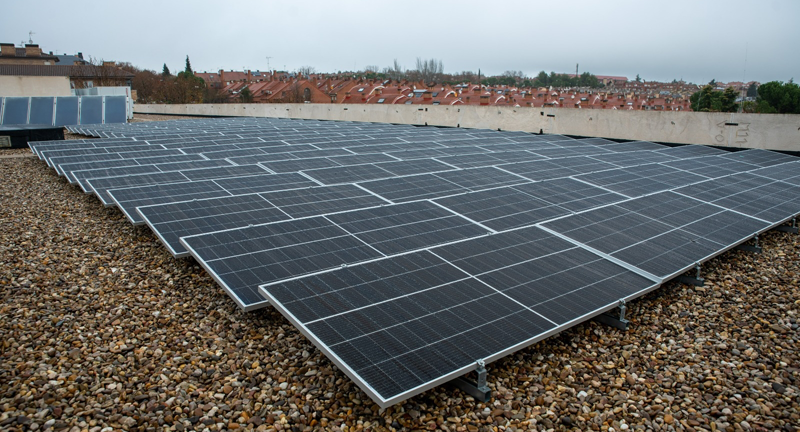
<point x="765" y="131"/>
<point x="16" y="86"/>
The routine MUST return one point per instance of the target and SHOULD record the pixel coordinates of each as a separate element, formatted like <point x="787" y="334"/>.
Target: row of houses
<point x="275" y="87"/>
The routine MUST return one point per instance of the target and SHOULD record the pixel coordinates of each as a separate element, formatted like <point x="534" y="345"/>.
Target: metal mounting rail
<point x="612" y="321"/>
<point x="479" y="390"/>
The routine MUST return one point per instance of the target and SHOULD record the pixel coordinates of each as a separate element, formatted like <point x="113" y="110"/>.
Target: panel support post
<point x="792" y="229"/>
<point x="696" y="281"/>
<point x="479" y="390"/>
<point x="612" y="321"/>
<point x="755" y="248"/>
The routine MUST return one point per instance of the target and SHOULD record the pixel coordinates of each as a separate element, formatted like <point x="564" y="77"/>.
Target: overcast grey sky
<point x="697" y="40"/>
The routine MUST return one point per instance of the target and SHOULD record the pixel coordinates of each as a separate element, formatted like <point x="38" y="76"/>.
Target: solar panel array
<point x="408" y="254"/>
<point x="63" y="110"/>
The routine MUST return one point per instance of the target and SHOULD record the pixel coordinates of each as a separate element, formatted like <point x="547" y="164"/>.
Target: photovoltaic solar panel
<point x="413" y="188"/>
<point x="42" y="110"/>
<point x="101" y="186"/>
<point x="711" y="166"/>
<point x="641" y="180"/>
<point x="481" y="178"/>
<point x="689" y="151"/>
<point x="15" y="111"/>
<point x="69" y="170"/>
<point x="349" y="174"/>
<point x="663" y="234"/>
<point x="760" y="197"/>
<point x="82" y="177"/>
<point x="264" y="183"/>
<point x="91" y="109"/>
<point x="299" y="203"/>
<point x="296" y="165"/>
<point x="171" y="221"/>
<point x="242" y="259"/>
<point x="634" y="158"/>
<point x="128" y="199"/>
<point x="762" y="158"/>
<point x="431" y="320"/>
<point x="557" y="168"/>
<point x="787" y="172"/>
<point x="405" y="227"/>
<point x="116" y="109"/>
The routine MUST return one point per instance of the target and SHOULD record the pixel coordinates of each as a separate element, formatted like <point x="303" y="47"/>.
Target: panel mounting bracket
<point x="612" y="321"/>
<point x="754" y="248"/>
<point x="696" y="281"/>
<point x="790" y="229"/>
<point x="479" y="390"/>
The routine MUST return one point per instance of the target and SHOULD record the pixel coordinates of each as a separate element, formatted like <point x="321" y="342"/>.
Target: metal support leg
<point x="696" y="281"/>
<point x="609" y="320"/>
<point x="792" y="229"/>
<point x="479" y="390"/>
<point x="755" y="248"/>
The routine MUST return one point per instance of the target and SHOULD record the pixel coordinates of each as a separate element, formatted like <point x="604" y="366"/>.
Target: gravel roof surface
<point x="101" y="329"/>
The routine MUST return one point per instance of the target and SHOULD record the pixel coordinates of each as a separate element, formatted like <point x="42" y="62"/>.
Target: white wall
<point x="766" y="131"/>
<point x="34" y="86"/>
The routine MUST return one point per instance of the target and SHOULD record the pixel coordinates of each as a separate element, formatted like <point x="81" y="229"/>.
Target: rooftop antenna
<point x="268" y="68"/>
<point x="30" y="37"/>
<point x="744" y="76"/>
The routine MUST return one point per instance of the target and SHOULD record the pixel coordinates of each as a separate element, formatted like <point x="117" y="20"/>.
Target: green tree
<point x="709" y="99"/>
<point x="779" y="97"/>
<point x="189" y="88"/>
<point x="752" y="90"/>
<point x="246" y="96"/>
<point x="165" y="71"/>
<point x="542" y="80"/>
<point x="638" y="78"/>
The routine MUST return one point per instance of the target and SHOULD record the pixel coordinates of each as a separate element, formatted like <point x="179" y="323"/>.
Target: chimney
<point x="8" y="49"/>
<point x="80" y="55"/>
<point x="427" y="96"/>
<point x="222" y="77"/>
<point x="32" y="50"/>
<point x="247" y="74"/>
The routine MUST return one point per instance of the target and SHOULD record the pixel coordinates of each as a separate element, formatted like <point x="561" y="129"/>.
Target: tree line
<point x="164" y="87"/>
<point x="432" y="71"/>
<point x="774" y="97"/>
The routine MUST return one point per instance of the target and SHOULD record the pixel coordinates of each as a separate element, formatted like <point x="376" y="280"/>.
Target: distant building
<point x="30" y="62"/>
<point x="31" y="54"/>
<point x="80" y="76"/>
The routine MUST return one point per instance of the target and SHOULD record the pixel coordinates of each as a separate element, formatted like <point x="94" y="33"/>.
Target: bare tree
<point x="372" y="68"/>
<point x="97" y="72"/>
<point x="395" y="71"/>
<point x="464" y="76"/>
<point x="306" y="70"/>
<point x="429" y="70"/>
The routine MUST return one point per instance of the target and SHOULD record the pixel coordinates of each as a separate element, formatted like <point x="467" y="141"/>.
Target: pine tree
<point x="188" y="70"/>
<point x="165" y="71"/>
